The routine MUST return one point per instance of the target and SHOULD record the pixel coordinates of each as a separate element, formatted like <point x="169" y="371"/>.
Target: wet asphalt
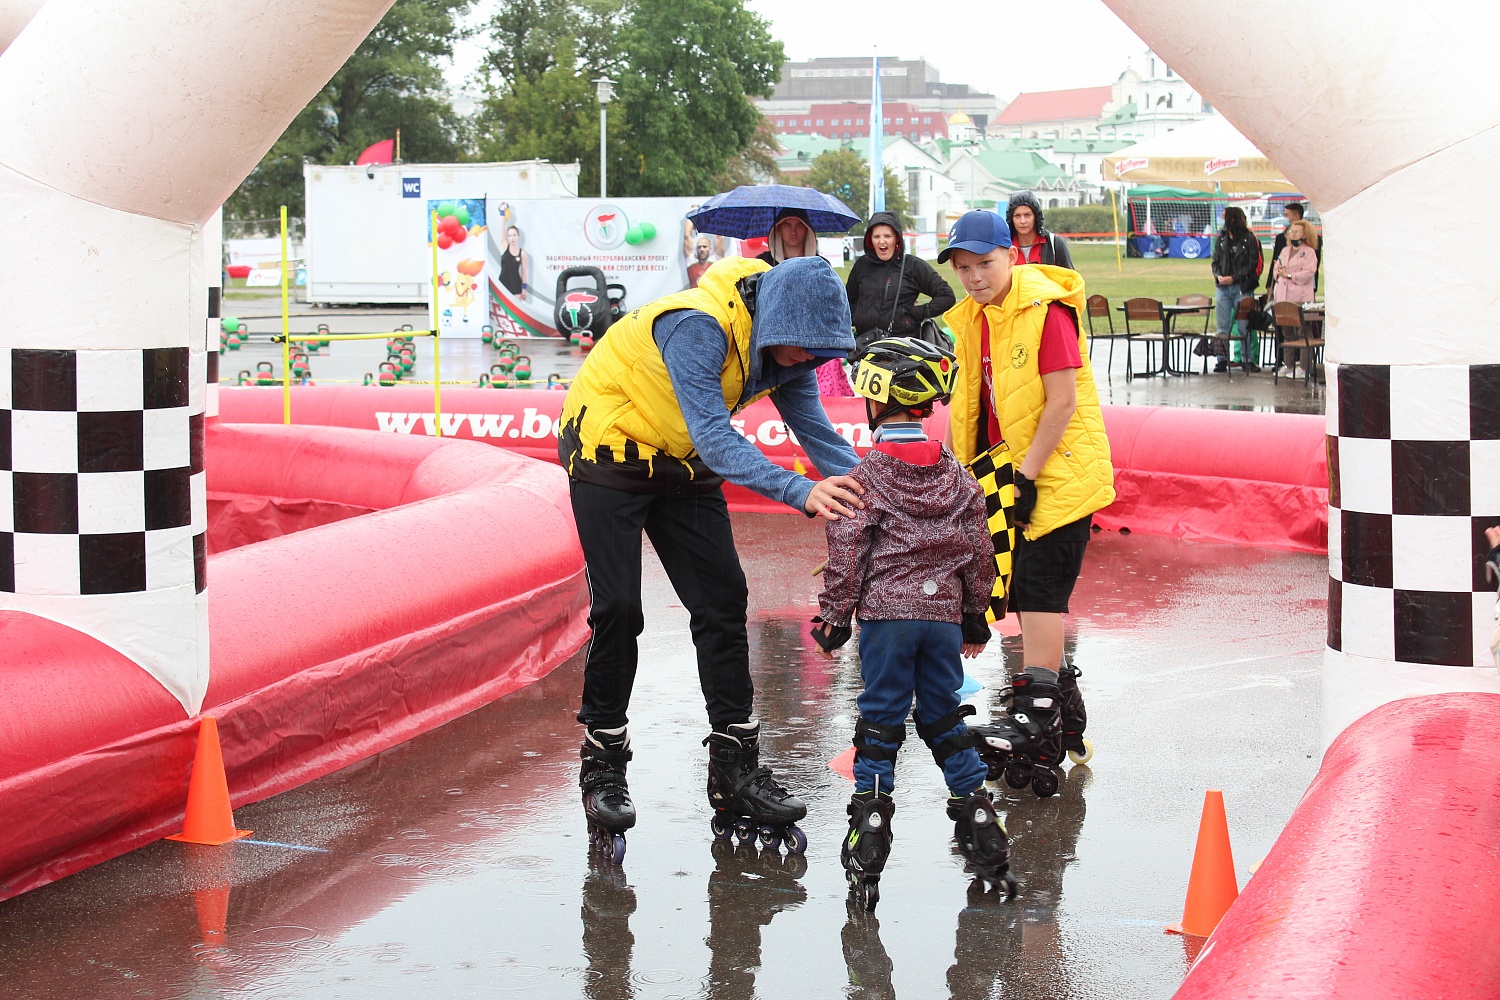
<point x="456" y="865"/>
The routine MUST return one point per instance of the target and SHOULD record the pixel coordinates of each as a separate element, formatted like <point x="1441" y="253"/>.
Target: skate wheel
<point x="1017" y="777"/>
<point x="795" y="840"/>
<point x="1009" y="881"/>
<point x="1044" y="783"/>
<point x="743" y="830"/>
<point x="616" y="847"/>
<point x="719" y="828"/>
<point x="770" y="837"/>
<point x="872" y="896"/>
<point x="1086" y="756"/>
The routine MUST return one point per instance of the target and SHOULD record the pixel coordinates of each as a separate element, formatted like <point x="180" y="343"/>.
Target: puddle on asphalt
<point x="456" y="865"/>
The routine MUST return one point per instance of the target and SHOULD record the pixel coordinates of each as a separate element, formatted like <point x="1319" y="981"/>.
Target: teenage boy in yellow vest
<point x="647" y="441"/>
<point x="1025" y="379"/>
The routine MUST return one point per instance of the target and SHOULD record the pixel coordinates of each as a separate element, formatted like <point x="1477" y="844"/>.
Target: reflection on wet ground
<point x="456" y="865"/>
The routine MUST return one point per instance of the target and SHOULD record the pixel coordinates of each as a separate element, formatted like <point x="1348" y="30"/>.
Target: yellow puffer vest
<point x="622" y="426"/>
<point x="1078" y="478"/>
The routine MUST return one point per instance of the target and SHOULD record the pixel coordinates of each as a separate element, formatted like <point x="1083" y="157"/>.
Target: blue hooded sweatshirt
<point x="801" y="303"/>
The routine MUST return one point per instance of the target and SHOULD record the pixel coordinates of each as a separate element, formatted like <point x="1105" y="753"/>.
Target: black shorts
<point x="1043" y="572"/>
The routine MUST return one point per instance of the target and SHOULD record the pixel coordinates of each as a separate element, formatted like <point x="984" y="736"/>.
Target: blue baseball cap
<point x="977" y="232"/>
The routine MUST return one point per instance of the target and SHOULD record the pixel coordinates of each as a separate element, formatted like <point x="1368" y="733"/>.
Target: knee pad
<point x="865" y="731"/>
<point x="943" y="748"/>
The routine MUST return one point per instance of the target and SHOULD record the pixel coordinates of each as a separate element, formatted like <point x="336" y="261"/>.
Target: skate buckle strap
<point x="866" y="730"/>
<point x="613" y="759"/>
<point x="942" y="749"/>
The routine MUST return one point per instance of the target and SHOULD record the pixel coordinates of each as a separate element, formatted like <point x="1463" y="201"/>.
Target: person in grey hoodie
<point x="647" y="441"/>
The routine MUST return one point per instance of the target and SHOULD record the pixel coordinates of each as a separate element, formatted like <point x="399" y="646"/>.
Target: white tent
<point x="1208" y="155"/>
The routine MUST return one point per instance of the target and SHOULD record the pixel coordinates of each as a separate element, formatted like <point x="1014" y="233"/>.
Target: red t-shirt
<point x="1031" y="254"/>
<point x="1058" y="350"/>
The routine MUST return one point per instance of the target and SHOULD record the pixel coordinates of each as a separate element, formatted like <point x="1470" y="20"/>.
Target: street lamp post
<point x="604" y="87"/>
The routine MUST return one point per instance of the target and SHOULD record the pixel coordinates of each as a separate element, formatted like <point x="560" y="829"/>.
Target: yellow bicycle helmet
<point x="905" y="371"/>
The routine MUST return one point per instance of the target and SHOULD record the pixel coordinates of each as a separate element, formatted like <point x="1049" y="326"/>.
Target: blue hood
<point x="800" y="302"/>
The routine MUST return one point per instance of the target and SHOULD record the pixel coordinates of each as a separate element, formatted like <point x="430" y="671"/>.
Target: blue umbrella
<point x="749" y="210"/>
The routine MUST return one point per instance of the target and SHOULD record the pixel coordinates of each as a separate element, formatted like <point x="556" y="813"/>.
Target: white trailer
<point x="367" y="225"/>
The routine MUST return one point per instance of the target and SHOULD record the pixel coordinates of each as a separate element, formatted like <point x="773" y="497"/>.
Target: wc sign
<point x="411" y="187"/>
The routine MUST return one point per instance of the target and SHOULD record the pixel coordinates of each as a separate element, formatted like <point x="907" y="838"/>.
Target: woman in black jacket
<point x="884" y="284"/>
<point x="1237" y="264"/>
<point x="1035" y="244"/>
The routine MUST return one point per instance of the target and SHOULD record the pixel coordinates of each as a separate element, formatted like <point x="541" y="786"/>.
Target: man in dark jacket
<point x="884" y="284"/>
<point x="1237" y="263"/>
<point x="1037" y="246"/>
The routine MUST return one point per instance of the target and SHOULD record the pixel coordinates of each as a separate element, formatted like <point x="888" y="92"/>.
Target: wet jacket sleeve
<point x="924" y="278"/>
<point x="801" y="409"/>
<point x="1061" y="255"/>
<point x="978" y="577"/>
<point x="693" y="346"/>
<point x="848" y="550"/>
<point x="851" y="284"/>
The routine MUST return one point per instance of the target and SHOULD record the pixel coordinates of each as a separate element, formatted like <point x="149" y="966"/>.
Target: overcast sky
<point x="1001" y="47"/>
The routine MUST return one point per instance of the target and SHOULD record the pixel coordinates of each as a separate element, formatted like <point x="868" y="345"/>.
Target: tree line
<point x="682" y="121"/>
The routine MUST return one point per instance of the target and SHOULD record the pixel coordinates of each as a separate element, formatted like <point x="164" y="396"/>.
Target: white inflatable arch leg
<point x="1385" y="117"/>
<point x="130" y="124"/>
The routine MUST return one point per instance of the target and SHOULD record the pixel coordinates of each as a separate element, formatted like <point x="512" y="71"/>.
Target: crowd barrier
<point x="1214" y="475"/>
<point x="1386" y="880"/>
<point x="324" y="649"/>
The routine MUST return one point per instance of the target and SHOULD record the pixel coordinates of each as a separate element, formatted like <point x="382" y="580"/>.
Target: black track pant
<point x="692" y="536"/>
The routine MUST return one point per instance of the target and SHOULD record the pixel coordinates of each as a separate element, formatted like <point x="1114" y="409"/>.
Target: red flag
<point x="382" y="152"/>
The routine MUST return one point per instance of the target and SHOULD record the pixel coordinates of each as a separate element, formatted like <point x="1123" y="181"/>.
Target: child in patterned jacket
<point x="916" y="565"/>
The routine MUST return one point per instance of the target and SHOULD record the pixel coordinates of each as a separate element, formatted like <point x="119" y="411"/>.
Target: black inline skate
<point x="1074" y="718"/>
<point x="982" y="841"/>
<point x="1027" y="744"/>
<point x="747" y="800"/>
<point x="867" y="845"/>
<point x="606" y="797"/>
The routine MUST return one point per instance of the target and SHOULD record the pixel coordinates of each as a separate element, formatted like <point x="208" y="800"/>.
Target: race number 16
<point x="871" y="382"/>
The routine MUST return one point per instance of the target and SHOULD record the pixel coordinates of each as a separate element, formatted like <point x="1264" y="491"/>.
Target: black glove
<point x="976" y="630"/>
<point x="836" y="635"/>
<point x="1492" y="566"/>
<point x="1025" y="499"/>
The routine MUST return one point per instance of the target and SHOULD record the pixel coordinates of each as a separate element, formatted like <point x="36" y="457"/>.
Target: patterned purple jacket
<point x="921" y="547"/>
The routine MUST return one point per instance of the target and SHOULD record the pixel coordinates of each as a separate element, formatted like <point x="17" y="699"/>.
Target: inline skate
<point x="982" y="841"/>
<point x="747" y="800"/>
<point x="1074" y="718"/>
<point x="867" y="845"/>
<point x="606" y="796"/>
<point x="1027" y="744"/>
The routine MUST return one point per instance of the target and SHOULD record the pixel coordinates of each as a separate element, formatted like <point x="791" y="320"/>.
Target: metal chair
<point x="1294" y="336"/>
<point x="1097" y="307"/>
<point x="1147" y="312"/>
<point x="1208" y="316"/>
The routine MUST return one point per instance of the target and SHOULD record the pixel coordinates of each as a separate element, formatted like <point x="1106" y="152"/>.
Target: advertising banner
<point x="461" y="264"/>
<point x="620" y="254"/>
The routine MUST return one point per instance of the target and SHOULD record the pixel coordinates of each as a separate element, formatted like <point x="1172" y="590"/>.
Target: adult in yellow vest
<point x="647" y="440"/>
<point x="1025" y="379"/>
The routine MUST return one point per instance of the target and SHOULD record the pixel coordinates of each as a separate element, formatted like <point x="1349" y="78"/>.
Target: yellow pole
<point x="1115" y="211"/>
<point x="437" y="341"/>
<point x="286" y="349"/>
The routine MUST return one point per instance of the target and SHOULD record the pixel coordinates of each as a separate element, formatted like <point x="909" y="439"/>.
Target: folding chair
<point x="1097" y="307"/>
<point x="1147" y="312"/>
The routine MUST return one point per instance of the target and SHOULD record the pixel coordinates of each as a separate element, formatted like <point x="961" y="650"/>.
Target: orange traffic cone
<point x="209" y="818"/>
<point x="1211" y="886"/>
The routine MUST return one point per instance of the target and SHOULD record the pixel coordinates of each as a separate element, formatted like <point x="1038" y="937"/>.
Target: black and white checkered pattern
<point x="211" y="359"/>
<point x="1414" y="475"/>
<point x="102" y="489"/>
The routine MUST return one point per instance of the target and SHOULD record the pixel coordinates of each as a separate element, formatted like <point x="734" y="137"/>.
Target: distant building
<point x="811" y="96"/>
<point x="1053" y="114"/>
<point x="1146" y="100"/>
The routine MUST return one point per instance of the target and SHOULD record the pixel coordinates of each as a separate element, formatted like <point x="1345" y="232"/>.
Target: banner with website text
<point x="639" y="249"/>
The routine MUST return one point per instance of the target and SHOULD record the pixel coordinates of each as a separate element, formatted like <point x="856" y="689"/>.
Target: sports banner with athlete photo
<point x="560" y="267"/>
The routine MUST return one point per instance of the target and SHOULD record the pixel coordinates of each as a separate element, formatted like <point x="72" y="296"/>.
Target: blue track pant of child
<point x="898" y="659"/>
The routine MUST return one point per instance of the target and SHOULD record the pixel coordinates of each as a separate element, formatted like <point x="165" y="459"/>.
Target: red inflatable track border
<point x="347" y="647"/>
<point x="1215" y="475"/>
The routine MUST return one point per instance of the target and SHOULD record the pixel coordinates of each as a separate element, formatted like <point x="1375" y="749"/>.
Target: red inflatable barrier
<point x="327" y="644"/>
<point x="1219" y="475"/>
<point x="1386" y="881"/>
